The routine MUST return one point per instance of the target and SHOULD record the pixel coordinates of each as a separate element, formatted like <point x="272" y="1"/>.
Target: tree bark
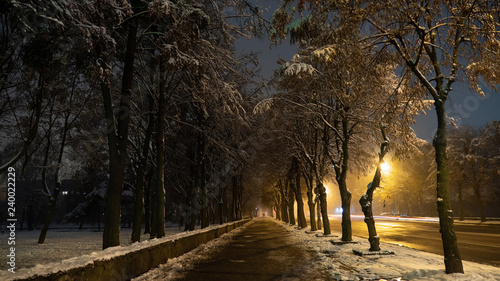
<point x="237" y="197"/>
<point x="312" y="211"/>
<point x="159" y="208"/>
<point x="324" y="209"/>
<point x="240" y="197"/>
<point x="117" y="133"/>
<point x="366" y="200"/>
<point x="479" y="202"/>
<point x="147" y="206"/>
<point x="111" y="233"/>
<point x="311" y="203"/>
<point x="291" y="201"/>
<point x="452" y="260"/>
<point x="345" y="196"/>
<point x="341" y="177"/>
<point x="460" y="203"/>
<point x="204" y="192"/>
<point x="301" y="218"/>
<point x="140" y="181"/>
<point x="284" y="204"/>
<point x="318" y="212"/>
<point x="53" y="198"/>
<point x="221" y="211"/>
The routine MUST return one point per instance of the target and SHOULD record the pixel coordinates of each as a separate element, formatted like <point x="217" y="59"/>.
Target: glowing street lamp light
<point x="385" y="167"/>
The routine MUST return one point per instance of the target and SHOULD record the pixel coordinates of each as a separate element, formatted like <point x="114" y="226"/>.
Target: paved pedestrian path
<point x="262" y="251"/>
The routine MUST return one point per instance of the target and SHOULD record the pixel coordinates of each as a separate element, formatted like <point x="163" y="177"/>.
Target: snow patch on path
<point x="176" y="268"/>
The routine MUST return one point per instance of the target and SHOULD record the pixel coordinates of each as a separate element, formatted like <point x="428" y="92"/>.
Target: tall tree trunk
<point x="147" y="207"/>
<point x="452" y="260"/>
<point x="237" y="182"/>
<point x="221" y="211"/>
<point x="212" y="211"/>
<point x="277" y="206"/>
<point x="318" y="212"/>
<point x="138" y="205"/>
<point x="301" y="217"/>
<point x="284" y="211"/>
<point x="46" y="188"/>
<point x="117" y="133"/>
<point x="233" y="198"/>
<point x="366" y="200"/>
<point x="291" y="201"/>
<point x="312" y="211"/>
<point x="204" y="196"/>
<point x="141" y="170"/>
<point x="98" y="219"/>
<point x="240" y="197"/>
<point x="345" y="194"/>
<point x="226" y="207"/>
<point x="324" y="209"/>
<point x="311" y="203"/>
<point x="152" y="204"/>
<point x="53" y="198"/>
<point x="194" y="195"/>
<point x="460" y="203"/>
<point x="284" y="203"/>
<point x="159" y="218"/>
<point x="479" y="201"/>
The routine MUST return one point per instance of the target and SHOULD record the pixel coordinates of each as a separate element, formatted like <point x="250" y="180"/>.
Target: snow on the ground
<point x="405" y="264"/>
<point x="62" y="243"/>
<point x="84" y="247"/>
<point x="69" y="248"/>
<point x="175" y="268"/>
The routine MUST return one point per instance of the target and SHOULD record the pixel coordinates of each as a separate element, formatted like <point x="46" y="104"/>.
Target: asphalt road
<point x="478" y="243"/>
<point x="261" y="251"/>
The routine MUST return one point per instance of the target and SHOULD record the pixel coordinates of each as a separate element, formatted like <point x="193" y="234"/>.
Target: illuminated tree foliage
<point x="437" y="42"/>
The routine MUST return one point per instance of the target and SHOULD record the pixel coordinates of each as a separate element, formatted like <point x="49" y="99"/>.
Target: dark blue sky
<point x="463" y="105"/>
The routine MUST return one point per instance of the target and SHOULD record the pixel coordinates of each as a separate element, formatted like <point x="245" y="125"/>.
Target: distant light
<point x="64" y="192"/>
<point x="339" y="210"/>
<point x="385" y="167"/>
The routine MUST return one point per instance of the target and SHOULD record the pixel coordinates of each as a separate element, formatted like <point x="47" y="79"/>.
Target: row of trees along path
<point x="347" y="51"/>
<point x="179" y="108"/>
<point x="128" y="92"/>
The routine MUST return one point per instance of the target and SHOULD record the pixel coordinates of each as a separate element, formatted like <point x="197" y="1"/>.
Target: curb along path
<point x="262" y="250"/>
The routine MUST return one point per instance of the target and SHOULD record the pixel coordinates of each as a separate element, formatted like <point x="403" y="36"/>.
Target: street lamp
<point x="385" y="167"/>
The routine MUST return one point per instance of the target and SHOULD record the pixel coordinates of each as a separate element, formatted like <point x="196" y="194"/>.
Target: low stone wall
<point x="132" y="264"/>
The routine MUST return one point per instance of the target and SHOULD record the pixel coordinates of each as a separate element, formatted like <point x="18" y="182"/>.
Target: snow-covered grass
<point x="60" y="244"/>
<point x="83" y="249"/>
<point x="405" y="264"/>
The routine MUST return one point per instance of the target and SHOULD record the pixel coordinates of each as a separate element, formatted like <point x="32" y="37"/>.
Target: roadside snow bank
<point x="405" y="264"/>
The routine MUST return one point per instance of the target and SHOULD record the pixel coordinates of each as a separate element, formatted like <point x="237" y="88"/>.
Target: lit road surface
<point x="478" y="243"/>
